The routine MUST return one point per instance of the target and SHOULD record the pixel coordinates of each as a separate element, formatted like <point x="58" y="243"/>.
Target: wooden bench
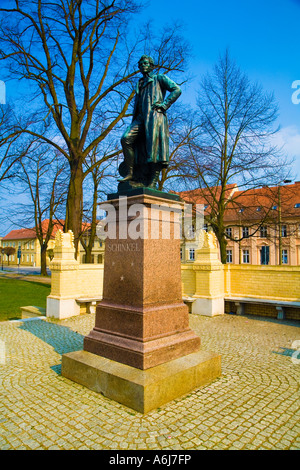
<point x="90" y="302"/>
<point x="278" y="304"/>
<point x="30" y="311"/>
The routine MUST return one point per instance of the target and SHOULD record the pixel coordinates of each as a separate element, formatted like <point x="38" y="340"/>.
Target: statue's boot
<point x="129" y="163"/>
<point x="155" y="170"/>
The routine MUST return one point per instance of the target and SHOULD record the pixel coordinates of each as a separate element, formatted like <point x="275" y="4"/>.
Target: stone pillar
<point x="142" y="320"/>
<point x="64" y="267"/>
<point x="209" y="274"/>
<point x="141" y="351"/>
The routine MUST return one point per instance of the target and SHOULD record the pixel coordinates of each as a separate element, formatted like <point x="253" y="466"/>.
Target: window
<point x="246" y="256"/>
<point x="228" y="256"/>
<point x="284" y="257"/>
<point x="263" y="231"/>
<point x="228" y="232"/>
<point x="283" y="231"/>
<point x="245" y="232"/>
<point x="181" y="254"/>
<point x="264" y="255"/>
<point x="205" y="227"/>
<point x="192" y="254"/>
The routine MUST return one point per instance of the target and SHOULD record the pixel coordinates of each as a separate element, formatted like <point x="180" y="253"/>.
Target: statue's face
<point x="145" y="66"/>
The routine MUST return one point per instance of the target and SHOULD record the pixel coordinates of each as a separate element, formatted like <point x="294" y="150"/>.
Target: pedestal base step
<point x="141" y="354"/>
<point x="141" y="390"/>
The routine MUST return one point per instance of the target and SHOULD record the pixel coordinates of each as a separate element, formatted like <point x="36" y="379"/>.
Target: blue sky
<point x="262" y="37"/>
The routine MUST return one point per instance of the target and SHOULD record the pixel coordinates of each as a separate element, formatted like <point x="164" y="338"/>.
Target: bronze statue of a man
<point x="145" y="143"/>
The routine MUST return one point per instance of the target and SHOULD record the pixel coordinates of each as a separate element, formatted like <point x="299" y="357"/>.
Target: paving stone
<point x="253" y="405"/>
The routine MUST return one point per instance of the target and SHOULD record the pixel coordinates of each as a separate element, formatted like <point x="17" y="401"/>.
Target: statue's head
<point x="146" y="64"/>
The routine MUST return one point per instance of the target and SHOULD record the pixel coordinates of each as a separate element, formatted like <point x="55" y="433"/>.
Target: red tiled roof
<point x="257" y="203"/>
<point x="205" y="195"/>
<point x="30" y="233"/>
<point x="252" y="204"/>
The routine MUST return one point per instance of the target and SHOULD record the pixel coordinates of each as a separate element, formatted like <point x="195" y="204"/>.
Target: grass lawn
<point x="15" y="294"/>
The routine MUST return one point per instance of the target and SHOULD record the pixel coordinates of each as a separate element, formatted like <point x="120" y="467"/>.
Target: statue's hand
<point x="158" y="107"/>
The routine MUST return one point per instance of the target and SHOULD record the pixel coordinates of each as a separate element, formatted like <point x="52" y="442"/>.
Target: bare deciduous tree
<point x="100" y="167"/>
<point x="237" y="120"/>
<point x="9" y="140"/>
<point x="80" y="59"/>
<point x="42" y="174"/>
<point x="184" y="135"/>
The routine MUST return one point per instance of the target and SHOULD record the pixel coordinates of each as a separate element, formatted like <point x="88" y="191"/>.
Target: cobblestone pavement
<point x="254" y="405"/>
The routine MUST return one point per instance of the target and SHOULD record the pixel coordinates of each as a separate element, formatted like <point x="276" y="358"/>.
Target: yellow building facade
<point x="262" y="226"/>
<point x="28" y="251"/>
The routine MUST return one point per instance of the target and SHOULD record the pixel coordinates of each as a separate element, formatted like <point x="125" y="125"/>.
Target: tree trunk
<point x="92" y="232"/>
<point x="220" y="226"/>
<point x="75" y="202"/>
<point x="219" y="230"/>
<point x="223" y="244"/>
<point x="44" y="260"/>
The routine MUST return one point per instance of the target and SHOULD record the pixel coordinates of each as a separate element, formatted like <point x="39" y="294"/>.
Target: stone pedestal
<point x="61" y="302"/>
<point x="209" y="271"/>
<point x="142" y="324"/>
<point x="142" y="320"/>
<point x="142" y="390"/>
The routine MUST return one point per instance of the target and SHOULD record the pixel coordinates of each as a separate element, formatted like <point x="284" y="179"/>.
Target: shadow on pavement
<point x="286" y="322"/>
<point x="286" y="352"/>
<point x="61" y="338"/>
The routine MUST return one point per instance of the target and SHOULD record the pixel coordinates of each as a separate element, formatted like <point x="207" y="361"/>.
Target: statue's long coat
<point x="155" y="147"/>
